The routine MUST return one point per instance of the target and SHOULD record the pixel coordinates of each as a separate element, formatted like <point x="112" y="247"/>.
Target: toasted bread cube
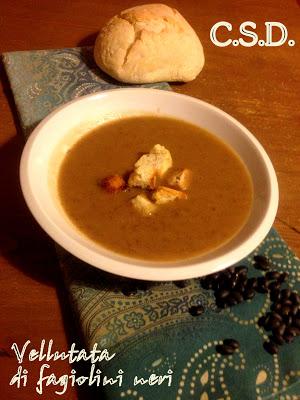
<point x="181" y="179"/>
<point x="150" y="166"/>
<point x="143" y="205"/>
<point x="163" y="159"/>
<point x="113" y="183"/>
<point x="164" y="195"/>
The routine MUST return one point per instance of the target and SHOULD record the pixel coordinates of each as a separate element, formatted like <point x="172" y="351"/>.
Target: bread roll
<point x="149" y="43"/>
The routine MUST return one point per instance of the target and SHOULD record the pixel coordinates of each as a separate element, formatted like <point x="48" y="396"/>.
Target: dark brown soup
<point x="219" y="199"/>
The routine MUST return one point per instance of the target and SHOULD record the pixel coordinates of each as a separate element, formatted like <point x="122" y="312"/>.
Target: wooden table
<point x="257" y="85"/>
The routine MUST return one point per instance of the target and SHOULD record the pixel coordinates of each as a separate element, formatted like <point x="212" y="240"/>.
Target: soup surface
<point x="219" y="199"/>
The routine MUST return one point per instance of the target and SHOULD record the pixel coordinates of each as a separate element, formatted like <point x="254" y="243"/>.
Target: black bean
<point x="285" y="310"/>
<point x="279" y="331"/>
<point x="276" y="306"/>
<point x="242" y="279"/>
<point x="291" y="330"/>
<point x="230" y="270"/>
<point x="240" y="287"/>
<point x="271" y="347"/>
<point x="222" y="294"/>
<point x="288" y="337"/>
<point x="249" y="294"/>
<point x="209" y="282"/>
<point x="241" y="270"/>
<point x="266" y="283"/>
<point x="225" y="284"/>
<point x="275" y="315"/>
<point x="195" y="311"/>
<point x="287" y="319"/>
<point x="231" y="300"/>
<point x="223" y="278"/>
<point x="180" y="284"/>
<point x="232" y="281"/>
<point x="242" y="276"/>
<point x="274" y="323"/>
<point x="129" y="291"/>
<point x="278" y="339"/>
<point x="296" y="330"/>
<point x="275" y="295"/>
<point x="237" y="296"/>
<point x="251" y="283"/>
<point x="261" y="285"/>
<point x="261" y="321"/>
<point x="267" y="324"/>
<point x="225" y="350"/>
<point x="214" y="283"/>
<point x="221" y="303"/>
<point x="286" y="303"/>
<point x="295" y="298"/>
<point x="283" y="277"/>
<point x="222" y="275"/>
<point x="261" y="280"/>
<point x="285" y="294"/>
<point x="294" y="309"/>
<point x="225" y="275"/>
<point x="261" y="267"/>
<point x="232" y="343"/>
<point x="261" y="260"/>
<point x="275" y="285"/>
<point x="296" y="322"/>
<point x="272" y="275"/>
<point x="205" y="283"/>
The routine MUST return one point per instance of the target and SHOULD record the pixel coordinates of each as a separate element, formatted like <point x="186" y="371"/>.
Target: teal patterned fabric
<point x="152" y="331"/>
<point x="43" y="80"/>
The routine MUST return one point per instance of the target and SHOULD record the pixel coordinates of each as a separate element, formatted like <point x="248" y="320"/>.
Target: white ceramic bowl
<point x="51" y="139"/>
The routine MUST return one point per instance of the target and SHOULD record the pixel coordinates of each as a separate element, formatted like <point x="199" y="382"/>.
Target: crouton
<point x="143" y="205"/>
<point x="113" y="183"/>
<point x="164" y="195"/>
<point x="149" y="167"/>
<point x="181" y="179"/>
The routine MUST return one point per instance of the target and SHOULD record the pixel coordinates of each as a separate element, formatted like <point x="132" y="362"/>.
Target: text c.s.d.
<point x="245" y="32"/>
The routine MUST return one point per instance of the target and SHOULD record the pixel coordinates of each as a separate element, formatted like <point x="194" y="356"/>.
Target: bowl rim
<point x="137" y="268"/>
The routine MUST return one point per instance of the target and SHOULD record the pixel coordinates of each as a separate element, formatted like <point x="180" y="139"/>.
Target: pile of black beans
<point x="283" y="321"/>
<point x="232" y="286"/>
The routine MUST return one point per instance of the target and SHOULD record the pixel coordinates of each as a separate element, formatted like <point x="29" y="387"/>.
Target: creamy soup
<point x="218" y="201"/>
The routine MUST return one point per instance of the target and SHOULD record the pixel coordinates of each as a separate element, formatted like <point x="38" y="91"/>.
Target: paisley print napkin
<point x="162" y="352"/>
